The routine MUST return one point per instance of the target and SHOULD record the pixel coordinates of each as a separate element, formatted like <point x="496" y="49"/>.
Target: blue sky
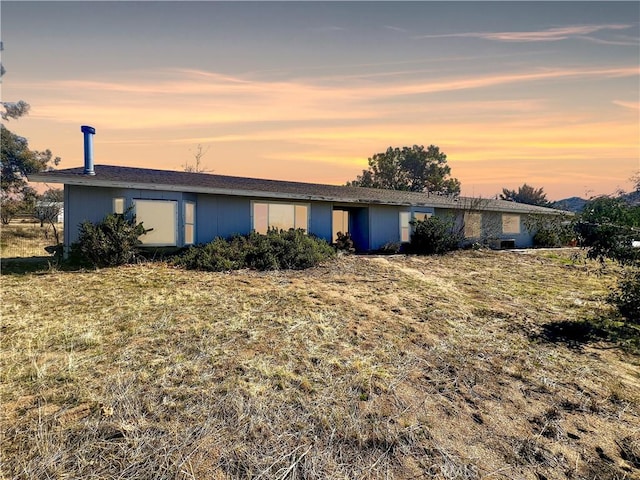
<point x="540" y="92"/>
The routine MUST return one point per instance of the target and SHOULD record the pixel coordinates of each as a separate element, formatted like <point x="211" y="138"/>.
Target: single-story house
<point x="186" y="208"/>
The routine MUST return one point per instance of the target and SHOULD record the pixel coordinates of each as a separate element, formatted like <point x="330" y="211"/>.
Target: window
<point x="118" y="205"/>
<point x="189" y="223"/>
<point x="340" y="223"/>
<point x="510" y="223"/>
<point x="282" y="216"/>
<point x="421" y="217"/>
<point x="405" y="227"/>
<point x="472" y="224"/>
<point x="161" y="216"/>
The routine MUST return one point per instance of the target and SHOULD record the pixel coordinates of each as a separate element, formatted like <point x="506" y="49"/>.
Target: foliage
<point x="18" y="161"/>
<point x="551" y="231"/>
<point x="526" y="194"/>
<point x="435" y="236"/>
<point x="9" y="208"/>
<point x="277" y="250"/>
<point x="626" y="297"/>
<point x="344" y="242"/>
<point x="111" y="242"/>
<point x="608" y="228"/>
<point x="390" y="248"/>
<point x="410" y="168"/>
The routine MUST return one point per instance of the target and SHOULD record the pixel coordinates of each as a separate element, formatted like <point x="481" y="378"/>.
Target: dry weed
<point x="366" y="367"/>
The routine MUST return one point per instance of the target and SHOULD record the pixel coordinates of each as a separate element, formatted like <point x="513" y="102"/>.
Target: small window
<point x="510" y="223"/>
<point x="472" y="225"/>
<point x="118" y="205"/>
<point x="282" y="216"/>
<point x="405" y="227"/>
<point x="189" y="223"/>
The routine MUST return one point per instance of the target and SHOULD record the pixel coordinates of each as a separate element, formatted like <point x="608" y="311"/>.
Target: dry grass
<point x="26" y="238"/>
<point x="367" y="367"/>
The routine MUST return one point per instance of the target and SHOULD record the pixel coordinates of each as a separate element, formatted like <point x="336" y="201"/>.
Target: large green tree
<point x="526" y="194"/>
<point x="18" y="161"/>
<point x="414" y="169"/>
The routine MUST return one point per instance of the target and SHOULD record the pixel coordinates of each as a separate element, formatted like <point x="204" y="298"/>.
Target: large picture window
<point x="161" y="216"/>
<point x="281" y="216"/>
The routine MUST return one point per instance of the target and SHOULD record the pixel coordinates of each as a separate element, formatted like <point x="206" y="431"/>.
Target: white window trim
<point x="405" y="228"/>
<point x="192" y="223"/>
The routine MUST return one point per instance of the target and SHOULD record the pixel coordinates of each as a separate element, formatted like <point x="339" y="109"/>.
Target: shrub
<point x="626" y="297"/>
<point x="434" y="236"/>
<point x="216" y="256"/>
<point x="344" y="242"/>
<point x="278" y="249"/>
<point x="111" y="242"/>
<point x="390" y="248"/>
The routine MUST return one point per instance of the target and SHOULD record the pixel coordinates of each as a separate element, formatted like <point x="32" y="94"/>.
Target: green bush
<point x="277" y="250"/>
<point x="434" y="236"/>
<point x="111" y="242"/>
<point x="626" y="297"/>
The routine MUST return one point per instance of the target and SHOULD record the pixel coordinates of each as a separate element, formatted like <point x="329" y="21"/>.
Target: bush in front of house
<point x="277" y="250"/>
<point x="113" y="241"/>
<point x="626" y="297"/>
<point x="434" y="235"/>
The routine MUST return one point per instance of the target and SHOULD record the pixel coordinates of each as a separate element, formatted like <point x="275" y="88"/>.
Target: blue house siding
<point x="221" y="216"/>
<point x="320" y="220"/>
<point x="385" y="225"/>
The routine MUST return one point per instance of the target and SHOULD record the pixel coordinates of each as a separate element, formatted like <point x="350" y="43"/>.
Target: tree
<point x="47" y="209"/>
<point x="12" y="109"/>
<point x="18" y="161"/>
<point x="526" y="194"/>
<point x="197" y="168"/>
<point x="608" y="228"/>
<point x="410" y="168"/>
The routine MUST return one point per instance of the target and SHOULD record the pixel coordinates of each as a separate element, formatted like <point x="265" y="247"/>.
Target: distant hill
<point x="572" y="204"/>
<point x="576" y="204"/>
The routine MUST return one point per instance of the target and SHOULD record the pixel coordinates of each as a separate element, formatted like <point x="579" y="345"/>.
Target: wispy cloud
<point x="191" y="97"/>
<point x="547" y="35"/>
<point x="625" y="104"/>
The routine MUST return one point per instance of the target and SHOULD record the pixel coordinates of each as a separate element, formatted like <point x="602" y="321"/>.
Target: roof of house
<point x="151" y="179"/>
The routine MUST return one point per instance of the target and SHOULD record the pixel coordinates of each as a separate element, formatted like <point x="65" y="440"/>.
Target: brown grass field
<point x="26" y="238"/>
<point x="472" y="365"/>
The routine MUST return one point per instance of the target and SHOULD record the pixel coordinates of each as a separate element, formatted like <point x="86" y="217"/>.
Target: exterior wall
<point x="94" y="203"/>
<point x="385" y="225"/>
<point x="492" y="227"/>
<point x="371" y="226"/>
<point x="218" y="216"/>
<point x="320" y="218"/>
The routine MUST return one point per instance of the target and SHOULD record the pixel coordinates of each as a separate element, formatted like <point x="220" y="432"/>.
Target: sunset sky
<point x="546" y="93"/>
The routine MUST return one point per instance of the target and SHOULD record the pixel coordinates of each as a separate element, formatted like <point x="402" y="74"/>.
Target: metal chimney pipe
<point x="89" y="132"/>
